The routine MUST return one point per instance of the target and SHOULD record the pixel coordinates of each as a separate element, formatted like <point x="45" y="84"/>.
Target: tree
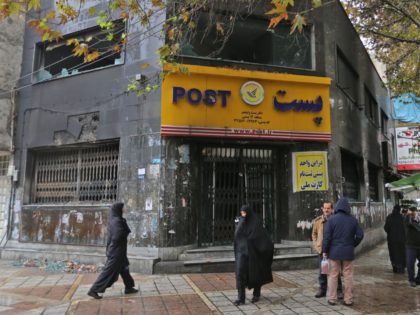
<point x="391" y="28"/>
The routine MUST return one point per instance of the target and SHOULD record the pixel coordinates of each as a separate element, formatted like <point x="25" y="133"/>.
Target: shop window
<point x="55" y="60"/>
<point x="352" y="172"/>
<point x="251" y="42"/>
<point x="79" y="175"/>
<point x="373" y="182"/>
<point x="4" y="165"/>
<point x="371" y="107"/>
<point x="347" y="76"/>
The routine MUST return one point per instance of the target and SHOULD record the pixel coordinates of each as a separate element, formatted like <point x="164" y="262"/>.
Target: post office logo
<point x="252" y="93"/>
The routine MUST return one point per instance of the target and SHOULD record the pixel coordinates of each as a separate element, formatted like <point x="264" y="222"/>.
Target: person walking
<point x="317" y="237"/>
<point x="116" y="252"/>
<point x="253" y="255"/>
<point x="394" y="227"/>
<point x="412" y="225"/>
<point x="342" y="234"/>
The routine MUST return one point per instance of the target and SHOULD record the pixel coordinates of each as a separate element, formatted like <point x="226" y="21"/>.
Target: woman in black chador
<point x="116" y="253"/>
<point x="253" y="255"/>
<point x="394" y="227"/>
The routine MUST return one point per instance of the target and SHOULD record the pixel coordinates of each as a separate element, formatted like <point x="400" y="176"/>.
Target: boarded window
<point x="76" y="175"/>
<point x="4" y="165"/>
<point x="351" y="168"/>
<point x="55" y="60"/>
<point x="347" y="76"/>
<point x="251" y="42"/>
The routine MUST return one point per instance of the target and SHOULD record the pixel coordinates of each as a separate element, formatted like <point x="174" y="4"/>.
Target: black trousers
<point x="113" y="268"/>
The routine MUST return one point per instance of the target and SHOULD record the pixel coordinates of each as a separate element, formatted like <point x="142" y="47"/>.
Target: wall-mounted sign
<point x="252" y="93"/>
<point x="215" y="102"/>
<point x="310" y="171"/>
<point x="408" y="148"/>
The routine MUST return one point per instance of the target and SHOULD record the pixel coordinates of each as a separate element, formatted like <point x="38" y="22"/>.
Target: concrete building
<point x="11" y="45"/>
<point x="280" y="122"/>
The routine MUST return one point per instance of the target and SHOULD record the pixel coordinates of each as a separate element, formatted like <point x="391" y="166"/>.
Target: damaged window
<point x="56" y="59"/>
<point x="250" y="42"/>
<point x="85" y="175"/>
<point x="351" y="169"/>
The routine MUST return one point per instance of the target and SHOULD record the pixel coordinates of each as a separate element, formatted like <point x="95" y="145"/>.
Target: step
<point x="227" y="252"/>
<point x="227" y="264"/>
<point x="96" y="256"/>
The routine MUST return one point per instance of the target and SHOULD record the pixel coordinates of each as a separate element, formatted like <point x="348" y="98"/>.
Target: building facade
<point x="276" y="121"/>
<point x="11" y="43"/>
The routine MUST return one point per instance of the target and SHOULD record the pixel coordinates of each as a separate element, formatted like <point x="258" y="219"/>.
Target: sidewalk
<point x="34" y="291"/>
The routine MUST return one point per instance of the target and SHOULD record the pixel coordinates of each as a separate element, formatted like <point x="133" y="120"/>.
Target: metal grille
<point x="4" y="164"/>
<point x="232" y="177"/>
<point x="77" y="175"/>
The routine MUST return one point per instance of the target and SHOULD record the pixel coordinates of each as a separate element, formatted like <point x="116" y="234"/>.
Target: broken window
<point x="251" y="42"/>
<point x="347" y="77"/>
<point x="4" y="165"/>
<point x="351" y="169"/>
<point x="55" y="60"/>
<point x="84" y="175"/>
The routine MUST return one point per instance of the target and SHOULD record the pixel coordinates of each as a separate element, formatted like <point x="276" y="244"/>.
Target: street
<point x="25" y="290"/>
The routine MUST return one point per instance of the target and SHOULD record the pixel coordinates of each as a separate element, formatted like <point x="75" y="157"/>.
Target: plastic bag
<point x="325" y="266"/>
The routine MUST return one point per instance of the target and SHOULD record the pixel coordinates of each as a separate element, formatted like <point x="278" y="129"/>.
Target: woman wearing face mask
<point x="253" y="255"/>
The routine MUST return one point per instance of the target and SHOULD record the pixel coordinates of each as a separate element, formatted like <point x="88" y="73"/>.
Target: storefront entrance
<point x="230" y="177"/>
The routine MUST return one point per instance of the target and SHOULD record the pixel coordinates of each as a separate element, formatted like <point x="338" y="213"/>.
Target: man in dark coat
<point x="394" y="227"/>
<point x="412" y="248"/>
<point x="253" y="255"/>
<point x="341" y="235"/>
<point x="116" y="253"/>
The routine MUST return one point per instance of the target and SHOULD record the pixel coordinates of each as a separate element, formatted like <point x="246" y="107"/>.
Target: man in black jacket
<point x="116" y="253"/>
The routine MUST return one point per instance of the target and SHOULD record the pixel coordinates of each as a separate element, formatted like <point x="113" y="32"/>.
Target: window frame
<point x="40" y="48"/>
<point x="312" y="47"/>
<point x="340" y="56"/>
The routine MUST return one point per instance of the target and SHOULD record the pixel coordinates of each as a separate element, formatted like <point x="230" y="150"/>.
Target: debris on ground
<point x="58" y="266"/>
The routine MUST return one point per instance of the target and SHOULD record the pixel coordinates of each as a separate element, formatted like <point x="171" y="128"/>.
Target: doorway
<point x="230" y="177"/>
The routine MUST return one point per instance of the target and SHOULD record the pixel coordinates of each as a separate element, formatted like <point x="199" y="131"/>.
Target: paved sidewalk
<point x="34" y="291"/>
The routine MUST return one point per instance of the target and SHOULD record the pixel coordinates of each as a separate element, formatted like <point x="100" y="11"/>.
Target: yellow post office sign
<point x="310" y="171"/>
<point x="228" y="103"/>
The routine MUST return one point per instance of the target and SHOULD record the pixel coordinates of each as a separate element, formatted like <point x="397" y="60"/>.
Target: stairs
<point x="221" y="259"/>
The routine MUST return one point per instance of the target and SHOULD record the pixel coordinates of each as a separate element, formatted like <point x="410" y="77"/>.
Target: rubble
<point x="67" y="266"/>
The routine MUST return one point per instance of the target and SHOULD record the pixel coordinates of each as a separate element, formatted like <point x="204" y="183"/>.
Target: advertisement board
<point x="310" y="171"/>
<point x="408" y="148"/>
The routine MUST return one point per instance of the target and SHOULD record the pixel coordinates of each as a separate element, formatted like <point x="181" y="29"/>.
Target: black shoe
<point x="412" y="284"/>
<point x="348" y="304"/>
<point x="340" y="295"/>
<point x="94" y="295"/>
<point x="239" y="302"/>
<point x="130" y="290"/>
<point x="320" y="294"/>
<point x="255" y="299"/>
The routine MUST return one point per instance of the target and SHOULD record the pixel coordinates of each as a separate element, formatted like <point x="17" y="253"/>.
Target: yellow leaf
<point x="276" y="20"/>
<point x="92" y="10"/>
<point x="298" y="23"/>
<point x="116" y="48"/>
<point x="278" y="9"/>
<point x="34" y="5"/>
<point x="92" y="56"/>
<point x="219" y="28"/>
<point x="124" y="15"/>
<point x="145" y="65"/>
<point x="50" y="15"/>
